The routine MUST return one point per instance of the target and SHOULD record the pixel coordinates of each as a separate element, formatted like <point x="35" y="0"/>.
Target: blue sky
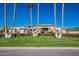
<point x="71" y="14"/>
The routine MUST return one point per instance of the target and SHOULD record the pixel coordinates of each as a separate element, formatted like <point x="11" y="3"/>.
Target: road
<point x="39" y="51"/>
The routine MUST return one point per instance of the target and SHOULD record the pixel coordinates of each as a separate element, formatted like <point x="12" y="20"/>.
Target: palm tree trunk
<point x="31" y="18"/>
<point x="62" y="20"/>
<point x="60" y="31"/>
<point x="55" y="18"/>
<point x="5" y="21"/>
<point x="30" y="7"/>
<point x="62" y="15"/>
<point x="13" y="17"/>
<point x="37" y="16"/>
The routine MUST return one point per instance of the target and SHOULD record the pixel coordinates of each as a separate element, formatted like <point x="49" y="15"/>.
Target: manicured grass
<point x="41" y="41"/>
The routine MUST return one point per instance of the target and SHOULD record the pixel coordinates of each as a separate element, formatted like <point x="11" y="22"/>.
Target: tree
<point x="37" y="14"/>
<point x="37" y="17"/>
<point x="14" y="12"/>
<point x="62" y="18"/>
<point x="30" y="7"/>
<point x="5" y="21"/>
<point x="55" y="18"/>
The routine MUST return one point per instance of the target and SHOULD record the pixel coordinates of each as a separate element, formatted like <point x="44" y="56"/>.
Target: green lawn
<point x="41" y="41"/>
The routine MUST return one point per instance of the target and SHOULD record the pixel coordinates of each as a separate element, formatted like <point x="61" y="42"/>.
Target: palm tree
<point x="62" y="15"/>
<point x="14" y="12"/>
<point x="55" y="18"/>
<point x="5" y="21"/>
<point x="30" y="7"/>
<point x="37" y="15"/>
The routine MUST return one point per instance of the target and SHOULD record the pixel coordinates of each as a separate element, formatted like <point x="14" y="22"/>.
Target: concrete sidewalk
<point x="39" y="51"/>
<point x="39" y="47"/>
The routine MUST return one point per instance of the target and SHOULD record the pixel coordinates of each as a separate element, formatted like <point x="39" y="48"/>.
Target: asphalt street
<point x="39" y="51"/>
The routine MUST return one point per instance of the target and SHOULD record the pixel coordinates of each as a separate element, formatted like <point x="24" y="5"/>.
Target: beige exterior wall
<point x="21" y="31"/>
